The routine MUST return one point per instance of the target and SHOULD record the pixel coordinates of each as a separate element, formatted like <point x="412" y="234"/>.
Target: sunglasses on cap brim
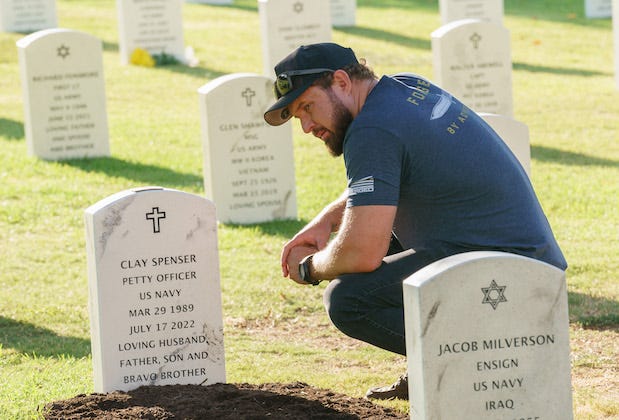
<point x="284" y="84"/>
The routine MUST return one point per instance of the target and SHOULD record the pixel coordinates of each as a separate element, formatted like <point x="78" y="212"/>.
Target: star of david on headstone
<point x="475" y="38"/>
<point x="248" y="94"/>
<point x="155" y="215"/>
<point x="63" y="51"/>
<point x="494" y="294"/>
<point x="298" y="7"/>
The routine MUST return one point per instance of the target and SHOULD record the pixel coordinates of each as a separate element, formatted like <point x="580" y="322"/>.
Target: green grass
<point x="564" y="90"/>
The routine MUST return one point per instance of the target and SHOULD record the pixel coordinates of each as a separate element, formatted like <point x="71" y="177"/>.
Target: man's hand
<point x="315" y="234"/>
<point x="295" y="255"/>
<point x="313" y="237"/>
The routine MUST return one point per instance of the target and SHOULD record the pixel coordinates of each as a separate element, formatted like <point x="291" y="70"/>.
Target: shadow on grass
<point x="399" y="4"/>
<point x="135" y="171"/>
<point x="11" y="129"/>
<point x="426" y="44"/>
<point x="392" y="37"/>
<point x="28" y="338"/>
<point x="202" y="73"/>
<point x="282" y="228"/>
<point x="110" y="46"/>
<point x="550" y="154"/>
<point x="593" y="312"/>
<point x="247" y="5"/>
<point x="557" y="70"/>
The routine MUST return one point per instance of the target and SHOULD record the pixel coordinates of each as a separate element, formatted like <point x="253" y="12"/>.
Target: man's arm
<point x="315" y="235"/>
<point x="360" y="245"/>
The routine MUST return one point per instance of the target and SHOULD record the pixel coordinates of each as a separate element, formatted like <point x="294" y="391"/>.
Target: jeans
<point x="370" y="306"/>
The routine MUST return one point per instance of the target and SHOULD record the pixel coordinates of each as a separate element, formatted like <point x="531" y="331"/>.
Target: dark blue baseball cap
<point x="302" y="67"/>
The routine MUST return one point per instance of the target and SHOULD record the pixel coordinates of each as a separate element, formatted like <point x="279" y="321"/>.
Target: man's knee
<point x="340" y="303"/>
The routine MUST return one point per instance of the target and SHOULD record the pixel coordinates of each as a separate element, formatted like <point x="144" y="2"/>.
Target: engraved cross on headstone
<point x="475" y="38"/>
<point x="155" y="216"/>
<point x="248" y="94"/>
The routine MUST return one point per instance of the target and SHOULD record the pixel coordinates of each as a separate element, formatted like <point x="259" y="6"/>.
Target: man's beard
<point x="341" y="120"/>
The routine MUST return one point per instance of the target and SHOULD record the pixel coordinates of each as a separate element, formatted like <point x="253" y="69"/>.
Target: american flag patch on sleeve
<point x="363" y="185"/>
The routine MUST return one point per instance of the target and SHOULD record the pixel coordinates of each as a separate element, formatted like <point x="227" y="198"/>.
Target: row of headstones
<point x="157" y="27"/>
<point x="487" y="333"/>
<point x="284" y="25"/>
<point x="493" y="10"/>
<point x="472" y="59"/>
<point x="34" y="15"/>
<point x="248" y="165"/>
<point x="65" y="116"/>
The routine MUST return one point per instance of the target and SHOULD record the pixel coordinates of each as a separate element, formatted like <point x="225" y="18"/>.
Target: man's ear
<point x="342" y="81"/>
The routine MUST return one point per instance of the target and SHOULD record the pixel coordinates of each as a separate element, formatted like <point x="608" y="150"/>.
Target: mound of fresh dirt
<point x="219" y="401"/>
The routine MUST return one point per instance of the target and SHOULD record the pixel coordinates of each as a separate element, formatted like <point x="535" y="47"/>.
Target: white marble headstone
<point x="152" y="25"/>
<point x="343" y="13"/>
<point x="288" y="24"/>
<point x="487" y="337"/>
<point x="490" y="10"/>
<point x="248" y="164"/>
<point x="515" y="134"/>
<point x="64" y="94"/>
<point x="472" y="60"/>
<point x="155" y="297"/>
<point x="27" y="15"/>
<point x="598" y="9"/>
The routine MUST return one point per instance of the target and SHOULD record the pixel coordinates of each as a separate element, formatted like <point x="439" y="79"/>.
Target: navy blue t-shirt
<point x="456" y="184"/>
